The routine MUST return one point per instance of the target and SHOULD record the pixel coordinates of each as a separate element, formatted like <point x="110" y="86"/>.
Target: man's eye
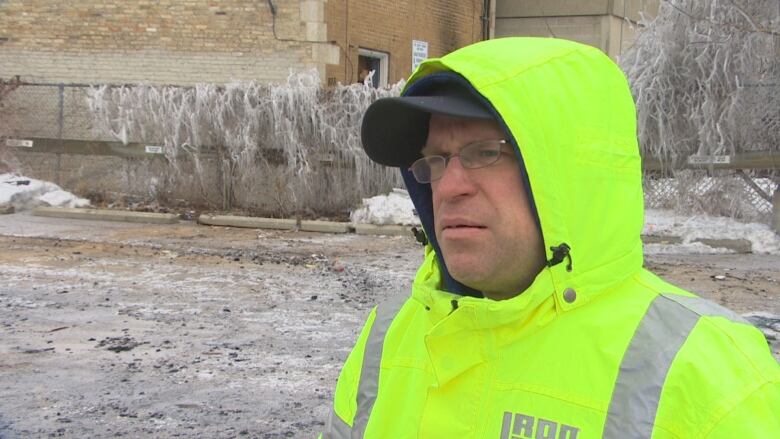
<point x="487" y="153"/>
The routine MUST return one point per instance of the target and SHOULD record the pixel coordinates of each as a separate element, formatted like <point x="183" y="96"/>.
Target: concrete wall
<point x="391" y="26"/>
<point x="607" y="24"/>
<point x="160" y="41"/>
<point x="115" y="178"/>
<point x="149" y="179"/>
<point x="89" y="169"/>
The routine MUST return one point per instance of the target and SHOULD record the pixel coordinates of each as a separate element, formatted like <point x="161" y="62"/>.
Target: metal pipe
<point x="485" y="19"/>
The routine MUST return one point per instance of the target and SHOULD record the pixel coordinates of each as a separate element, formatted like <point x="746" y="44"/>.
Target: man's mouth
<point x="460" y="224"/>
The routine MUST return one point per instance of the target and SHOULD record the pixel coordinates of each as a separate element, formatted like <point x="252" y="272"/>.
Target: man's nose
<point x="455" y="181"/>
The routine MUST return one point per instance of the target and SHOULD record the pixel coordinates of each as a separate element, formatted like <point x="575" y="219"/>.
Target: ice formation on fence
<point x="294" y="143"/>
<point x="705" y="77"/>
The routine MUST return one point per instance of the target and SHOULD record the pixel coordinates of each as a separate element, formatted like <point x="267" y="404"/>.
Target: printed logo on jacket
<point x="520" y="426"/>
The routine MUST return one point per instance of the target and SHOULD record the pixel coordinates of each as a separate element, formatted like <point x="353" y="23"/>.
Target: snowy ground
<point x="119" y="329"/>
<point x="693" y="229"/>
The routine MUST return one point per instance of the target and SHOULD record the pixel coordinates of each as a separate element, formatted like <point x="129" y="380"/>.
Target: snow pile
<point x="686" y="248"/>
<point x="666" y="223"/>
<point x="27" y="193"/>
<point x="393" y="208"/>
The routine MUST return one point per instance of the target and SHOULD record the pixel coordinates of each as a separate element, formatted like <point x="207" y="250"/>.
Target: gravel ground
<point x="115" y="329"/>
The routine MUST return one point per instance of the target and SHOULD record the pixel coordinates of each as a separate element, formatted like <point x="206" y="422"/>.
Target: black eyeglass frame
<point x="446" y="158"/>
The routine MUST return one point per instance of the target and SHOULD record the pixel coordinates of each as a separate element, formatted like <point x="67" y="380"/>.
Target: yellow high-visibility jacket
<point x="597" y="346"/>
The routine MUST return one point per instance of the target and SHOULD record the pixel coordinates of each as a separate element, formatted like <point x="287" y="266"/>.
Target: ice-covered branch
<point x="704" y="82"/>
<point x="298" y="138"/>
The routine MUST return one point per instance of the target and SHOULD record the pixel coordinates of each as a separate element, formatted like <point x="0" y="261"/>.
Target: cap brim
<point x="395" y="129"/>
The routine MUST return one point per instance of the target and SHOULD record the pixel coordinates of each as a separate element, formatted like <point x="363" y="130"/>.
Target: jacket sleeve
<point x="342" y="416"/>
<point x="757" y="416"/>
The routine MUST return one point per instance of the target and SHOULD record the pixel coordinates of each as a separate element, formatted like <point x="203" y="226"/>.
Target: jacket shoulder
<point x="723" y="373"/>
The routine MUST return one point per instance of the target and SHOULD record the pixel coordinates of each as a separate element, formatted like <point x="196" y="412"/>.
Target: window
<point x="373" y="61"/>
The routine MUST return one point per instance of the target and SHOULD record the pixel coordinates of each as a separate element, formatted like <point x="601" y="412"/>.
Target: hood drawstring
<point x="419" y="235"/>
<point x="560" y="253"/>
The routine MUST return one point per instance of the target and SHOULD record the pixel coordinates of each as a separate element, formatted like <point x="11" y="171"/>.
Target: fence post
<point x="57" y="170"/>
<point x="776" y="208"/>
<point x="227" y="185"/>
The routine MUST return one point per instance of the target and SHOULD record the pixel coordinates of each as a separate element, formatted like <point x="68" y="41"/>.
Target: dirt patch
<point x="184" y="330"/>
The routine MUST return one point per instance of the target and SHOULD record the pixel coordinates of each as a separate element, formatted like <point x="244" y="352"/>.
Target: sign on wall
<point x="709" y="160"/>
<point x="419" y="52"/>
<point x="153" y="149"/>
<point x="19" y="143"/>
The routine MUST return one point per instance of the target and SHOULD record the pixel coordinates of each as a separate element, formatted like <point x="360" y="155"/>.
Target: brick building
<point x="190" y="41"/>
<point x="382" y="35"/>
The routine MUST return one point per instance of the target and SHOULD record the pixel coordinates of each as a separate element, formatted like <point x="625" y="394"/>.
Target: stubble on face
<point x="485" y="229"/>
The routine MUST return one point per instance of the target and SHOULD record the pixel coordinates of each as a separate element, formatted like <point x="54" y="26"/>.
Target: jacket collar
<point x="536" y="306"/>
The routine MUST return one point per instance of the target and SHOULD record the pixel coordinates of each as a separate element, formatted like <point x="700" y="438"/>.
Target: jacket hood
<point x="568" y="111"/>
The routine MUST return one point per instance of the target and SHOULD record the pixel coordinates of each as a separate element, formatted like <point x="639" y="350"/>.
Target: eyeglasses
<point x="472" y="156"/>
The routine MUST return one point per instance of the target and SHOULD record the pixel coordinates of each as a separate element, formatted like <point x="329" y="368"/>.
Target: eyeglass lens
<point x="472" y="156"/>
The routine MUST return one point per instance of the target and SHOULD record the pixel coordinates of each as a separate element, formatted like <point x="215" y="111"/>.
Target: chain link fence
<point x="732" y="193"/>
<point x="52" y="111"/>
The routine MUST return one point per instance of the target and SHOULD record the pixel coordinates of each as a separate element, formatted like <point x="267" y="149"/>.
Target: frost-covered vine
<point x="295" y="143"/>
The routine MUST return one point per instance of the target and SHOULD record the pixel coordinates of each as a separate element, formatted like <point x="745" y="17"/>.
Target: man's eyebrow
<point x="430" y="150"/>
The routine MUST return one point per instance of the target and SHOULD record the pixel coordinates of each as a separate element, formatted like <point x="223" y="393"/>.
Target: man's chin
<point x="467" y="273"/>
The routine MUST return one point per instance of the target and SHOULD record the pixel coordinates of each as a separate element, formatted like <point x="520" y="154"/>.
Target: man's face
<point x="482" y="219"/>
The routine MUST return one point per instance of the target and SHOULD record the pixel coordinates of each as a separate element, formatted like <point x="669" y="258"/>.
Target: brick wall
<point x="157" y="41"/>
<point x="391" y="26"/>
<point x="190" y="41"/>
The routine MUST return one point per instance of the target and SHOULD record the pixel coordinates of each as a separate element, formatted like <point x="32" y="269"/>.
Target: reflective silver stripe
<point x="704" y="307"/>
<point x="336" y="428"/>
<point x="369" y="373"/>
<point x="660" y="335"/>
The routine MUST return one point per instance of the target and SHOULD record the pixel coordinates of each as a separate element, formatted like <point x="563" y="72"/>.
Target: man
<point x="531" y="315"/>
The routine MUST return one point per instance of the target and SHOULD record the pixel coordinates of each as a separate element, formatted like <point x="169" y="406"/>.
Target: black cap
<point x="395" y="129"/>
